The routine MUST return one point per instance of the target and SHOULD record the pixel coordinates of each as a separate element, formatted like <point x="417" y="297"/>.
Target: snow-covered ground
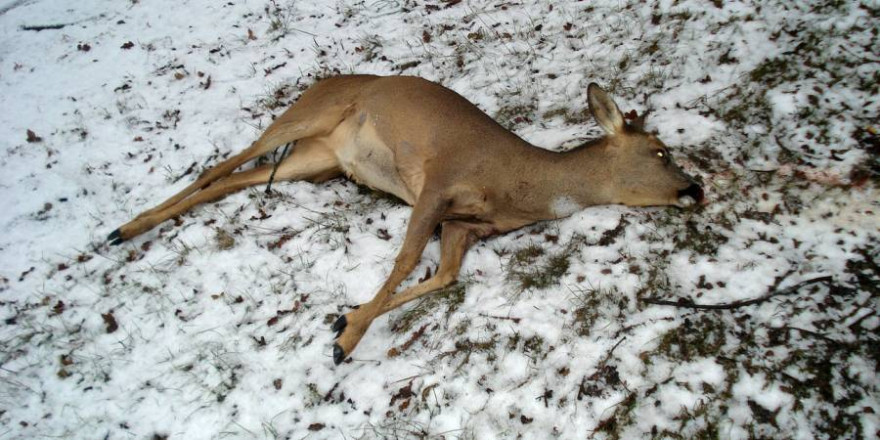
<point x="217" y="325"/>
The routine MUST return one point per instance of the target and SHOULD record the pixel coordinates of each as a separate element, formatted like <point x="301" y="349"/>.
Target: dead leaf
<point x="403" y="395"/>
<point x="383" y="234"/>
<point x="110" y="322"/>
<point x="32" y="137"/>
<point x="427" y="390"/>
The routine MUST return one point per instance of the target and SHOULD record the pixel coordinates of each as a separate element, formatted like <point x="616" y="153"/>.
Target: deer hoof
<point x="115" y="238"/>
<point x="339" y="326"/>
<point x="338" y="354"/>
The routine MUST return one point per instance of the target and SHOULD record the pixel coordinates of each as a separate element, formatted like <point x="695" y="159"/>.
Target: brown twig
<point x="506" y="318"/>
<point x="815" y="335"/>
<point x="610" y="352"/>
<point x="691" y="305"/>
<point x="44" y="27"/>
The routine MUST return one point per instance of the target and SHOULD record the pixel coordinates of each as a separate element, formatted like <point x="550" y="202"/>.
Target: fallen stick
<point x="691" y="305"/>
<point x="45" y="27"/>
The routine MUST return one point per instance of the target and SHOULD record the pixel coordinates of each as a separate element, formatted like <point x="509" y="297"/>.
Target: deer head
<point x="642" y="170"/>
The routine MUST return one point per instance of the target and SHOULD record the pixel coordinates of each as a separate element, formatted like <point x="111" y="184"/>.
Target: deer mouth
<point x="690" y="196"/>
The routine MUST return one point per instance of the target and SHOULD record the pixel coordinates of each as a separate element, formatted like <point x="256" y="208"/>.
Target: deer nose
<point x="695" y="192"/>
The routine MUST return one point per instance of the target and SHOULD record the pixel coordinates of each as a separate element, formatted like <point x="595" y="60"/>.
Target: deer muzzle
<point x="690" y="196"/>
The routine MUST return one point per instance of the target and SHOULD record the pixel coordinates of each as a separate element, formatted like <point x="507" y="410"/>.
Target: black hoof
<point x="339" y="325"/>
<point x="115" y="238"/>
<point x="338" y="354"/>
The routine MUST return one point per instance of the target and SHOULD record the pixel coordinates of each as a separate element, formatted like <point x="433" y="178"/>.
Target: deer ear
<point x="604" y="110"/>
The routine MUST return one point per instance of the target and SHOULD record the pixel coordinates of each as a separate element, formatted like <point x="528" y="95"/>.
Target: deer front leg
<point x="351" y="327"/>
<point x="455" y="239"/>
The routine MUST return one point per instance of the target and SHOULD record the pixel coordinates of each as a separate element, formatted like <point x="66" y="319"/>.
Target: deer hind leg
<point x="295" y="124"/>
<point x="279" y="133"/>
<point x="351" y="327"/>
<point x="310" y="160"/>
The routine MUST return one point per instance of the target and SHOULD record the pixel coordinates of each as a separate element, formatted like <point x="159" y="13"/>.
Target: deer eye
<point x="661" y="154"/>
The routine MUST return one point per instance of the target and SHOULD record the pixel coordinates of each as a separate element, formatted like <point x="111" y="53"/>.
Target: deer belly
<point x="369" y="161"/>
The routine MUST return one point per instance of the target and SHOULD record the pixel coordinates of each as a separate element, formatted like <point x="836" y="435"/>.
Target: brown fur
<point x="458" y="168"/>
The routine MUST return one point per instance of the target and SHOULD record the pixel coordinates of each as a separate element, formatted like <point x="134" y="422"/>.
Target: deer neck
<point x="560" y="184"/>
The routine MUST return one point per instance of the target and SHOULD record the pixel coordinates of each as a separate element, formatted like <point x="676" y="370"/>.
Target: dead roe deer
<point x="457" y="167"/>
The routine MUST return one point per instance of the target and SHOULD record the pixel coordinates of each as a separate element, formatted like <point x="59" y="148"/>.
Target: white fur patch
<point x="564" y="206"/>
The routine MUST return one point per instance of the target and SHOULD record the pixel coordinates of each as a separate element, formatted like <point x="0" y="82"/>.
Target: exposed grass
<point x="697" y="338"/>
<point x="515" y="115"/>
<point x="707" y="423"/>
<point x="569" y="116"/>
<point x="278" y="98"/>
<point x="370" y="47"/>
<point x="465" y="348"/>
<point x="532" y="268"/>
<point x="451" y="297"/>
<point x="613" y="425"/>
<point x="590" y="305"/>
<point x="223" y="239"/>
<point x="805" y="363"/>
